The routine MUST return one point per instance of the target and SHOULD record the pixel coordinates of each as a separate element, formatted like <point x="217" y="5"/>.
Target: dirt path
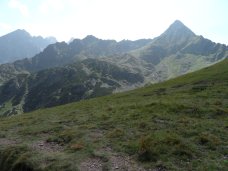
<point x="46" y="146"/>
<point x="115" y="162"/>
<point x="5" y="141"/>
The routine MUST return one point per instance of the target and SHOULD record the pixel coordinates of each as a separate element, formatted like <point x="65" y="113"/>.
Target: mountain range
<point x="179" y="124"/>
<point x="20" y="44"/>
<point x="91" y="67"/>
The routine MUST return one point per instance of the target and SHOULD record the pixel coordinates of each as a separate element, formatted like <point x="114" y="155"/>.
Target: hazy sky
<point x="114" y="19"/>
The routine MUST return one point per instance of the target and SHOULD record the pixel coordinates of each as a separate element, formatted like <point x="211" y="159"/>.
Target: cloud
<point x="5" y="26"/>
<point x="16" y="4"/>
<point x="51" y="6"/>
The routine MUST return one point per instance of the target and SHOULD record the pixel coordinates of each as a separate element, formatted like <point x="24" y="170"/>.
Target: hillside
<point x="51" y="87"/>
<point x="20" y="44"/>
<point x="180" y="124"/>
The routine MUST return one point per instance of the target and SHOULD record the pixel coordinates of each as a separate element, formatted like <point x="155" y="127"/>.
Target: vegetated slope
<point x="20" y="44"/>
<point x="180" y="124"/>
<point x="61" y="85"/>
<point x="61" y="53"/>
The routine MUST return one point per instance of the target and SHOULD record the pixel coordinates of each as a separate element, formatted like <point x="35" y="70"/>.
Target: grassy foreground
<point x="180" y="124"/>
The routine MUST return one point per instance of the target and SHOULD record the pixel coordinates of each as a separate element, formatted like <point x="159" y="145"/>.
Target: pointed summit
<point x="176" y="34"/>
<point x="178" y="23"/>
<point x="18" y="33"/>
<point x="178" y="29"/>
<point x="170" y="42"/>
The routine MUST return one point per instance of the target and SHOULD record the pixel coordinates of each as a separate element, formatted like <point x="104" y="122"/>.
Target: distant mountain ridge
<point x="102" y="67"/>
<point x="20" y="44"/>
<point x="61" y="53"/>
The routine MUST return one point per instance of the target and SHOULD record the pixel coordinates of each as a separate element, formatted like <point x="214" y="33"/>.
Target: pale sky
<point x="114" y="19"/>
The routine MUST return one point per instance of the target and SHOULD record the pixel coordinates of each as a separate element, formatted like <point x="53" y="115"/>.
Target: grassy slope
<point x="180" y="124"/>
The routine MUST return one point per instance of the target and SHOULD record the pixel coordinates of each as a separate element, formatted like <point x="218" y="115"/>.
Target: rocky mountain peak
<point x="178" y="30"/>
<point x="177" y="34"/>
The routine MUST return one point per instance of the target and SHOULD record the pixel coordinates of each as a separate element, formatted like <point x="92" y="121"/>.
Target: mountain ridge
<point x="174" y="49"/>
<point x="20" y="44"/>
<point x="150" y="61"/>
<point x="61" y="53"/>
